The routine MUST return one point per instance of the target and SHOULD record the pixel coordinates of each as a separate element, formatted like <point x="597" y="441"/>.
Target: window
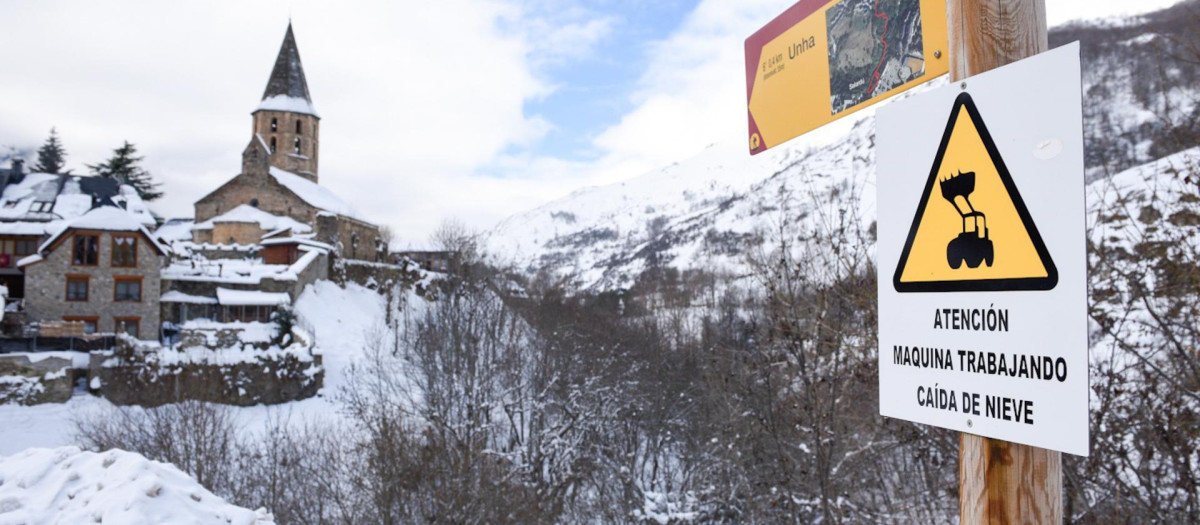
<point x="298" y="131"/>
<point x="124" y="251"/>
<point x="126" y="325"/>
<point x="272" y="144"/>
<point x="42" y="207"/>
<point x="127" y="289"/>
<point x="77" y="288"/>
<point x="296" y="146"/>
<point x="274" y="126"/>
<point x="254" y="202"/>
<point x="89" y="323"/>
<point x="86" y="250"/>
<point x="26" y="247"/>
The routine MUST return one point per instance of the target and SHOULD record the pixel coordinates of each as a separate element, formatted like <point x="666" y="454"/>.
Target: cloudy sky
<point x="465" y="109"/>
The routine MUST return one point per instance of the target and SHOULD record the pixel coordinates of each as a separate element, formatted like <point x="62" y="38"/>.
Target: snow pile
<point x="66" y="485"/>
<point x="287" y="103"/>
<point x="313" y="193"/>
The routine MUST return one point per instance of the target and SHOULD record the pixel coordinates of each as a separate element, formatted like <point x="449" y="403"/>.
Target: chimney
<point x="18" y="166"/>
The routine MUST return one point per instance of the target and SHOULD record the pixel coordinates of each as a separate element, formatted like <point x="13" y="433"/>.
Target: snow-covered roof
<point x="248" y="213"/>
<point x="105" y="218"/>
<point x="28" y="260"/>
<point x="176" y="296"/>
<point x="297" y="240"/>
<point x="42" y="202"/>
<point x="229" y="297"/>
<point x="238" y="271"/>
<point x="313" y="193"/>
<point x="287" y="89"/>
<point x="287" y="103"/>
<point x="175" y="230"/>
<point x="69" y="485"/>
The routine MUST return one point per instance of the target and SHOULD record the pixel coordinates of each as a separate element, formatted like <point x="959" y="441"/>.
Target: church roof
<point x="287" y="89"/>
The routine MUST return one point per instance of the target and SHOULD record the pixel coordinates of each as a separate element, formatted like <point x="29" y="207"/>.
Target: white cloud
<point x="423" y="102"/>
<point x="415" y="96"/>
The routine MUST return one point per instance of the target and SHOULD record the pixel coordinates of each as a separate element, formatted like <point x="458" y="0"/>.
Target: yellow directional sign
<point x="824" y="59"/>
<point x="972" y="231"/>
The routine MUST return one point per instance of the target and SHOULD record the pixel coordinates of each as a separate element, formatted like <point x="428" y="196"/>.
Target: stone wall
<point x="237" y="233"/>
<point x="373" y="274"/>
<point x="285" y="134"/>
<point x="254" y="184"/>
<point x="46" y="287"/>
<point x="129" y="375"/>
<point x="354" y="239"/>
<point x="25" y="382"/>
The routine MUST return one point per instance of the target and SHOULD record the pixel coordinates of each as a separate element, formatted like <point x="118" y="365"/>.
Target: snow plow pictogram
<point x="972" y="246"/>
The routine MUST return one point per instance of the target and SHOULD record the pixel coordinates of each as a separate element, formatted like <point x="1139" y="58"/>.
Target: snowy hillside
<point x="66" y="485"/>
<point x="708" y="212"/>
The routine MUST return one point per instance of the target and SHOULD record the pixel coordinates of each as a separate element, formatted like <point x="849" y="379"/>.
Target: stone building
<point x="279" y="175"/>
<point x="103" y="269"/>
<point x="35" y="205"/>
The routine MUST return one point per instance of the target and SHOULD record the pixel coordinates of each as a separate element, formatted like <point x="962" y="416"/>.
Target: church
<point x="277" y="195"/>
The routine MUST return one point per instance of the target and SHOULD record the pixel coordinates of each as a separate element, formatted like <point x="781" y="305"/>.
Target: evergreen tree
<point x="51" y="156"/>
<point x="124" y="167"/>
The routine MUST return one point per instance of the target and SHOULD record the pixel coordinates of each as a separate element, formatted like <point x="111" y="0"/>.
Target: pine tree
<point x="51" y="156"/>
<point x="124" y="167"/>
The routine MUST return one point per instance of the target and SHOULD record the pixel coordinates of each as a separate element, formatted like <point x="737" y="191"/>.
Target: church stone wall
<point x="281" y="126"/>
<point x="237" y="233"/>
<point x="271" y="196"/>
<point x="353" y="238"/>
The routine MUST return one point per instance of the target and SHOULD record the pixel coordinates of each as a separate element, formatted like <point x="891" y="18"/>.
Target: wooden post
<point x="1001" y="482"/>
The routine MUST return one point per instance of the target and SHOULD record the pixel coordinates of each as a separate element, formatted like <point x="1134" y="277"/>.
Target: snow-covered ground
<point x="67" y="486"/>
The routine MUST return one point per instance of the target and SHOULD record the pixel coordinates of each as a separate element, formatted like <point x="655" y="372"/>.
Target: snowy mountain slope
<point x="67" y="485"/>
<point x="709" y="212"/>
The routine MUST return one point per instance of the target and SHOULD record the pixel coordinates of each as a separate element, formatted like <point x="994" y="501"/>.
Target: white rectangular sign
<point x="982" y="262"/>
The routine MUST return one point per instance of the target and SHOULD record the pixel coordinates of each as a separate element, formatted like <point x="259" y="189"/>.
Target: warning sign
<point x="981" y="249"/>
<point x="972" y="231"/>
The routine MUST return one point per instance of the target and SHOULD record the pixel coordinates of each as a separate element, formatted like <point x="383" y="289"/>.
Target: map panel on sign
<point x="874" y="46"/>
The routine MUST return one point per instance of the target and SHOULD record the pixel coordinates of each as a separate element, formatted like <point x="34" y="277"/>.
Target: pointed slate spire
<point x="287" y="79"/>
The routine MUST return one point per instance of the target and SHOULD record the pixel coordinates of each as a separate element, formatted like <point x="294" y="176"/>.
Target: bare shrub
<point x="199" y="438"/>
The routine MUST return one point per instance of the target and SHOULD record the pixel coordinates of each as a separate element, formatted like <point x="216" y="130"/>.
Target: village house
<point x="103" y="270"/>
<point x="36" y="205"/>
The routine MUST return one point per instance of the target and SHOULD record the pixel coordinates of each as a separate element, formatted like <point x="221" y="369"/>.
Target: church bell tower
<point x="285" y="120"/>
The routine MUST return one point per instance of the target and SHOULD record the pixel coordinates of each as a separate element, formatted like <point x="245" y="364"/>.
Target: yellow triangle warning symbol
<point x="971" y="231"/>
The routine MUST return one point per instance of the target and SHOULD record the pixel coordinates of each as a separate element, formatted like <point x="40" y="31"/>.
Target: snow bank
<point x="67" y="485"/>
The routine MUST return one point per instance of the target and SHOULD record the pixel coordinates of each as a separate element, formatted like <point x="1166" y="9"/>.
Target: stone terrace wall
<point x="131" y="376"/>
<point x="375" y="274"/>
<point x="24" y="382"/>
